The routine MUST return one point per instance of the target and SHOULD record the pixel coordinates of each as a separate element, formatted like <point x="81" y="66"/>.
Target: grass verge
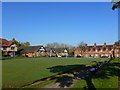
<point x="106" y="77"/>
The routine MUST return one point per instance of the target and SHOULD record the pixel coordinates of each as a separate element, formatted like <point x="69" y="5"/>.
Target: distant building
<point x="32" y="51"/>
<point x="8" y="48"/>
<point x="56" y="51"/>
<point x="98" y="50"/>
<point x="50" y="52"/>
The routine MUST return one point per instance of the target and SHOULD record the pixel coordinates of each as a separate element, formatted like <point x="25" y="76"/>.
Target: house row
<point x="98" y="51"/>
<point x="33" y="51"/>
<point x="9" y="48"/>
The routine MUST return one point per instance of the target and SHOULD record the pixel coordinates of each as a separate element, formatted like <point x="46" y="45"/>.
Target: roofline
<point x="34" y="46"/>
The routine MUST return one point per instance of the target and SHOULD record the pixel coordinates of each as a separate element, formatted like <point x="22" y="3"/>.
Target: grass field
<point x="107" y="77"/>
<point x="22" y="71"/>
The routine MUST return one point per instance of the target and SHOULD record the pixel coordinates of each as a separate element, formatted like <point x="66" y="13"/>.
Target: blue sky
<point x="66" y="22"/>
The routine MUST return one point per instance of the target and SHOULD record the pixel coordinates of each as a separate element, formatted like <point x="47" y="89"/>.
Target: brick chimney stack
<point x="105" y="44"/>
<point x="94" y="44"/>
<point x="86" y="45"/>
<point x="13" y="39"/>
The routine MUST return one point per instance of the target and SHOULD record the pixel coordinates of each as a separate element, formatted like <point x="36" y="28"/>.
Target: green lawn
<point x="22" y="71"/>
<point x="107" y="77"/>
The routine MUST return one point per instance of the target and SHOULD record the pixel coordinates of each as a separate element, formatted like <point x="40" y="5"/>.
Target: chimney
<point x="13" y="39"/>
<point x="94" y="44"/>
<point x="86" y="45"/>
<point x="105" y="44"/>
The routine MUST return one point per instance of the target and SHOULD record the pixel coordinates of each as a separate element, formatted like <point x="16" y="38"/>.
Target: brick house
<point x="32" y="51"/>
<point x="98" y="51"/>
<point x="8" y="48"/>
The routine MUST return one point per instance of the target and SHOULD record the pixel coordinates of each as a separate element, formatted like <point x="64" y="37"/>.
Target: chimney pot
<point x="94" y="44"/>
<point x="104" y="44"/>
<point x="86" y="45"/>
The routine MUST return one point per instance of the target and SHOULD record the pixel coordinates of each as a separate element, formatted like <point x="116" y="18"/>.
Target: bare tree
<point x="116" y="5"/>
<point x="57" y="45"/>
<point x="82" y="46"/>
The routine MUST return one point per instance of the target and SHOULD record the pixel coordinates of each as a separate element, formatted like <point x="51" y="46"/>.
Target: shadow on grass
<point x="65" y="68"/>
<point x="65" y="80"/>
<point x="109" y="69"/>
<point x="81" y="72"/>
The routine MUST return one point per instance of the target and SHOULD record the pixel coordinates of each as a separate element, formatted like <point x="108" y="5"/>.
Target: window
<point x="86" y="50"/>
<point x="118" y="55"/>
<point x="51" y="50"/>
<point x="80" y="51"/>
<point x="96" y="55"/>
<point x="12" y="48"/>
<point x="3" y="43"/>
<point x="93" y="49"/>
<point x="117" y="50"/>
<point x="4" y="48"/>
<point x="104" y="49"/>
<point x="109" y="49"/>
<point x="98" y="49"/>
<point x="106" y="54"/>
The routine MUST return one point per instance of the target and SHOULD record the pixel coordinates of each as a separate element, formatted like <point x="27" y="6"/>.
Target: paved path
<point x="68" y="80"/>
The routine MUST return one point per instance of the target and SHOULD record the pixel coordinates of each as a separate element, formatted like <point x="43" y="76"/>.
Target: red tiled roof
<point x="4" y="42"/>
<point x="97" y="46"/>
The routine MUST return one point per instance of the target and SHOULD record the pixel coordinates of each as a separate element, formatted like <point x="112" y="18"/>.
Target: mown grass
<point x="106" y="77"/>
<point x="18" y="72"/>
